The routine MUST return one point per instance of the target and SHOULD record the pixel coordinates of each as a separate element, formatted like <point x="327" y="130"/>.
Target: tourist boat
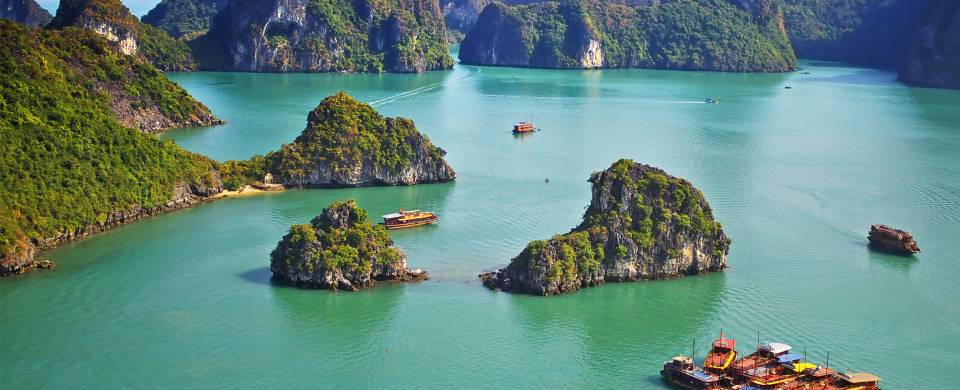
<point x="524" y="127"/>
<point x="833" y="381"/>
<point x="682" y="372"/>
<point x="787" y="369"/>
<point x="407" y="219"/>
<point x="886" y="238"/>
<point x="766" y="355"/>
<point x="721" y="355"/>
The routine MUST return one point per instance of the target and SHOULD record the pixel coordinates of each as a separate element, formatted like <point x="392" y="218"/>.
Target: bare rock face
<point x="642" y="224"/>
<point x="109" y="18"/>
<point x="27" y="12"/>
<point x="347" y="144"/>
<point x="339" y="250"/>
<point x="934" y="57"/>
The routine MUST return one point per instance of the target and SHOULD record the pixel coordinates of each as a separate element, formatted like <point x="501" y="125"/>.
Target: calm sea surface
<point x="796" y="176"/>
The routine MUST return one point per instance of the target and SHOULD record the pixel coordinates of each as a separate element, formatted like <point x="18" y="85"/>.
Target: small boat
<point x="524" y="127"/>
<point x="721" y="355"/>
<point x="889" y="239"/>
<point x="711" y="101"/>
<point x="682" y="372"/>
<point x="788" y="369"/>
<point x="834" y="381"/>
<point x="547" y="180"/>
<point x="408" y="219"/>
<point x="788" y="87"/>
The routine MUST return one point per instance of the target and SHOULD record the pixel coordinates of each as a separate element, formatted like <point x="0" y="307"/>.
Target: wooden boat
<point x="786" y="370"/>
<point x="721" y="355"/>
<point x="524" y="127"/>
<point x="408" y="219"/>
<point x="889" y="239"/>
<point x="681" y="371"/>
<point x="766" y="355"/>
<point x="834" y="381"/>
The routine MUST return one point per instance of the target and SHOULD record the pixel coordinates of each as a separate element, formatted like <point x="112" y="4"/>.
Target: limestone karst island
<point x="636" y="194"/>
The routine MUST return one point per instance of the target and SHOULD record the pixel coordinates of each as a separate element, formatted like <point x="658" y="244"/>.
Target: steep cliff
<point x="70" y="167"/>
<point x="326" y="36"/>
<point x="346" y="144"/>
<point x="112" y="20"/>
<point x="719" y="35"/>
<point x="642" y="224"/>
<point x="876" y="33"/>
<point x="27" y="12"/>
<point x="184" y="18"/>
<point x="339" y="250"/>
<point x="934" y="57"/>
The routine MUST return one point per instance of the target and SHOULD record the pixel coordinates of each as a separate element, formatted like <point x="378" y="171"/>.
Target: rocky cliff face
<point x="112" y="20"/>
<point x="27" y="12"/>
<point x="642" y="224"/>
<point x="339" y="250"/>
<point x="326" y="36"/>
<point x="184" y="18"/>
<point x="934" y="57"/>
<point x="719" y="35"/>
<point x="347" y="143"/>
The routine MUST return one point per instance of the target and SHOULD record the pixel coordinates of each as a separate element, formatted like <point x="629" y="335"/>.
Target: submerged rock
<point x="642" y="224"/>
<point x="340" y="250"/>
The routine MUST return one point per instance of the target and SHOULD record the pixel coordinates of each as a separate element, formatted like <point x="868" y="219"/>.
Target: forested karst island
<point x="326" y="36"/>
<point x="720" y="35"/>
<point x="642" y="224"/>
<point x="346" y="144"/>
<point x="184" y="18"/>
<point x="339" y="250"/>
<point x="76" y="159"/>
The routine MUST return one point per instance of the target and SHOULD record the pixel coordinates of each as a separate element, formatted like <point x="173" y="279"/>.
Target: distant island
<point x="325" y="36"/>
<point x="642" y="224"/>
<point x="339" y="250"/>
<point x="715" y="35"/>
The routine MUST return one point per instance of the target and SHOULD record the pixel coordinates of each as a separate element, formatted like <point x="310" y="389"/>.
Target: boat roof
<point x="860" y="377"/>
<point x="704" y="376"/>
<point x="392" y="215"/>
<point x="776" y="348"/>
<point x="801" y="367"/>
<point x="724" y="342"/>
<point x="790" y="357"/>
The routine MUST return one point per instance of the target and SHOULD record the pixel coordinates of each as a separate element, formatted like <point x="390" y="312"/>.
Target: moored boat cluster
<point x="770" y="366"/>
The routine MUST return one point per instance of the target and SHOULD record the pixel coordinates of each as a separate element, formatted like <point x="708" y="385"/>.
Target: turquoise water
<point x="796" y="176"/>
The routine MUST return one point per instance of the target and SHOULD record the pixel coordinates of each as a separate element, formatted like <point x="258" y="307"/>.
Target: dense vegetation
<point x="184" y="18"/>
<point x="340" y="239"/>
<point x="326" y="35"/>
<point x="868" y="32"/>
<point x="646" y="205"/>
<point x="682" y="34"/>
<point x="341" y="133"/>
<point x="152" y="44"/>
<point x="67" y="161"/>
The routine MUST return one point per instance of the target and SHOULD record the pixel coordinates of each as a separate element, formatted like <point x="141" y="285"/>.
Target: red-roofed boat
<point x="721" y="355"/>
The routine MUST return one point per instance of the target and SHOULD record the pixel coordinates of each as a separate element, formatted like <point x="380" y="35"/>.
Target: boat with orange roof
<point x="721" y="355"/>
<point x="408" y="219"/>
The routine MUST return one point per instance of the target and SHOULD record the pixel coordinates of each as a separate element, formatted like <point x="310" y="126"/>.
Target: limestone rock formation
<point x="112" y="20"/>
<point x="716" y="35"/>
<point x="27" y="12"/>
<point x="326" y="36"/>
<point x="934" y="57"/>
<point x="348" y="144"/>
<point x="642" y="224"/>
<point x="339" y="250"/>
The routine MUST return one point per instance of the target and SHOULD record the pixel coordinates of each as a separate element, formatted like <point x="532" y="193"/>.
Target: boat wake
<point x="419" y="90"/>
